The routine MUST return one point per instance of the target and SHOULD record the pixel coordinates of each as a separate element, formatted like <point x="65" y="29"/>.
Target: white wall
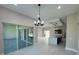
<point x="71" y="34"/>
<point x="35" y="35"/>
<point x="40" y="36"/>
<point x="9" y="16"/>
<point x="13" y="17"/>
<point x="51" y="29"/>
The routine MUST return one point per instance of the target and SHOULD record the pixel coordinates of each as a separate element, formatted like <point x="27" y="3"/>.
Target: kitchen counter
<point x="52" y="40"/>
<point x="55" y="39"/>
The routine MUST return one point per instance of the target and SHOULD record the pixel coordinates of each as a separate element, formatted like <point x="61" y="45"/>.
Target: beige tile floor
<point x="43" y="49"/>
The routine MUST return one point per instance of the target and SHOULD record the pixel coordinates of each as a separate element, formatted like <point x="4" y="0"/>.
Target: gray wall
<point x="9" y="16"/>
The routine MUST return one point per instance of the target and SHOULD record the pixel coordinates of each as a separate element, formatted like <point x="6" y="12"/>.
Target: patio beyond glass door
<point x="25" y="36"/>
<point x="16" y="37"/>
<point x="21" y="37"/>
<point x="30" y="36"/>
<point x="9" y="36"/>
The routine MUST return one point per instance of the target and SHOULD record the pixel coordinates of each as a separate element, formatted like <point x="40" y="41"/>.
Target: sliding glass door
<point x="9" y="35"/>
<point x="25" y="36"/>
<point x="21" y="37"/>
<point x="30" y="36"/>
<point x="16" y="37"/>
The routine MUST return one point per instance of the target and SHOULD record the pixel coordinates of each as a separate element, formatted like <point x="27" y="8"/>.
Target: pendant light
<point x="39" y="22"/>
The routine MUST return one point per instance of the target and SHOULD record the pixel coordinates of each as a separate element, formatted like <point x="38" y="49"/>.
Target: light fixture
<point x="16" y="4"/>
<point x="59" y="7"/>
<point x="39" y="22"/>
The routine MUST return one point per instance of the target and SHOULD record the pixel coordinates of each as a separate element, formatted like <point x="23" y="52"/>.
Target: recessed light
<point x="16" y="4"/>
<point x="38" y="16"/>
<point x="59" y="7"/>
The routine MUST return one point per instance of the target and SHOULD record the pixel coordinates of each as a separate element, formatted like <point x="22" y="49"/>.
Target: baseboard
<point x="70" y="49"/>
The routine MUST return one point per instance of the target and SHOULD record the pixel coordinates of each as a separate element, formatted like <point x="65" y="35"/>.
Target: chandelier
<point x="39" y="22"/>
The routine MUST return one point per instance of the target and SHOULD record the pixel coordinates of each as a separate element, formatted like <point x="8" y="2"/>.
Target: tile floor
<point x="43" y="49"/>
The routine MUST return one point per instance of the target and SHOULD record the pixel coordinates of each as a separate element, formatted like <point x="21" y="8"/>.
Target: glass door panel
<point x="21" y="37"/>
<point x="27" y="34"/>
<point x="9" y="36"/>
<point x="30" y="37"/>
<point x="16" y="37"/>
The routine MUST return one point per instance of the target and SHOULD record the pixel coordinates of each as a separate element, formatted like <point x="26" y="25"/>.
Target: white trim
<point x="70" y="49"/>
<point x="17" y="36"/>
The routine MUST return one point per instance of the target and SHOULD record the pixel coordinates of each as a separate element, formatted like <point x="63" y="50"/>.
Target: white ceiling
<point x="48" y="11"/>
